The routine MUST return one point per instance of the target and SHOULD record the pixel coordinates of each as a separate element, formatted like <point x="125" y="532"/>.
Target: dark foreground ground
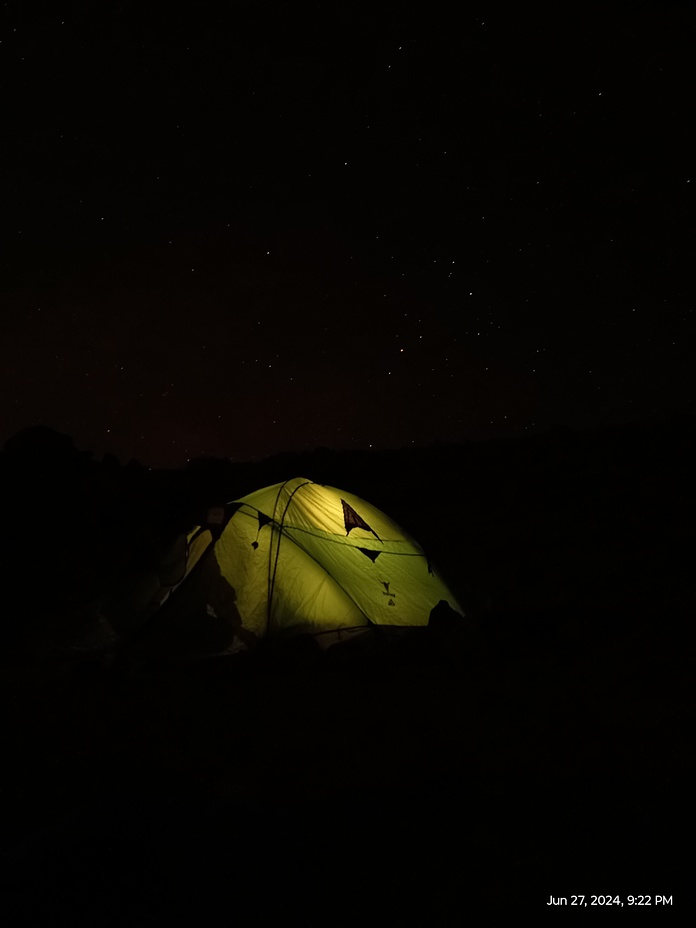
<point x="425" y="782"/>
<point x="545" y="749"/>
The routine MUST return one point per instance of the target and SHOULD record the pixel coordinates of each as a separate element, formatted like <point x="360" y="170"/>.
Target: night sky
<point x="235" y="229"/>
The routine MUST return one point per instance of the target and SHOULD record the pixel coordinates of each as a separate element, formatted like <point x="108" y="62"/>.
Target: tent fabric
<point x="300" y="557"/>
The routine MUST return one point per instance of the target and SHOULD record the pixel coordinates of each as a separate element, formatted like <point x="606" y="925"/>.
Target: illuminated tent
<point x="299" y="557"/>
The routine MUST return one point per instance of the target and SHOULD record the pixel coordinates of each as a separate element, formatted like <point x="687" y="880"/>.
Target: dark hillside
<point x="544" y="749"/>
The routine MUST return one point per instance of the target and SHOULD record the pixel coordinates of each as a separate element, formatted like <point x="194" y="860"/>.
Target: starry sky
<point x="242" y="228"/>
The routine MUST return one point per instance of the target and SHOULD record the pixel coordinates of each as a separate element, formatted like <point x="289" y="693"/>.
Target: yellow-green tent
<point x="299" y="557"/>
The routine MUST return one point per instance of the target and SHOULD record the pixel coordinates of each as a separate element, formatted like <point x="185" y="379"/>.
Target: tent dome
<point x="300" y="557"/>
